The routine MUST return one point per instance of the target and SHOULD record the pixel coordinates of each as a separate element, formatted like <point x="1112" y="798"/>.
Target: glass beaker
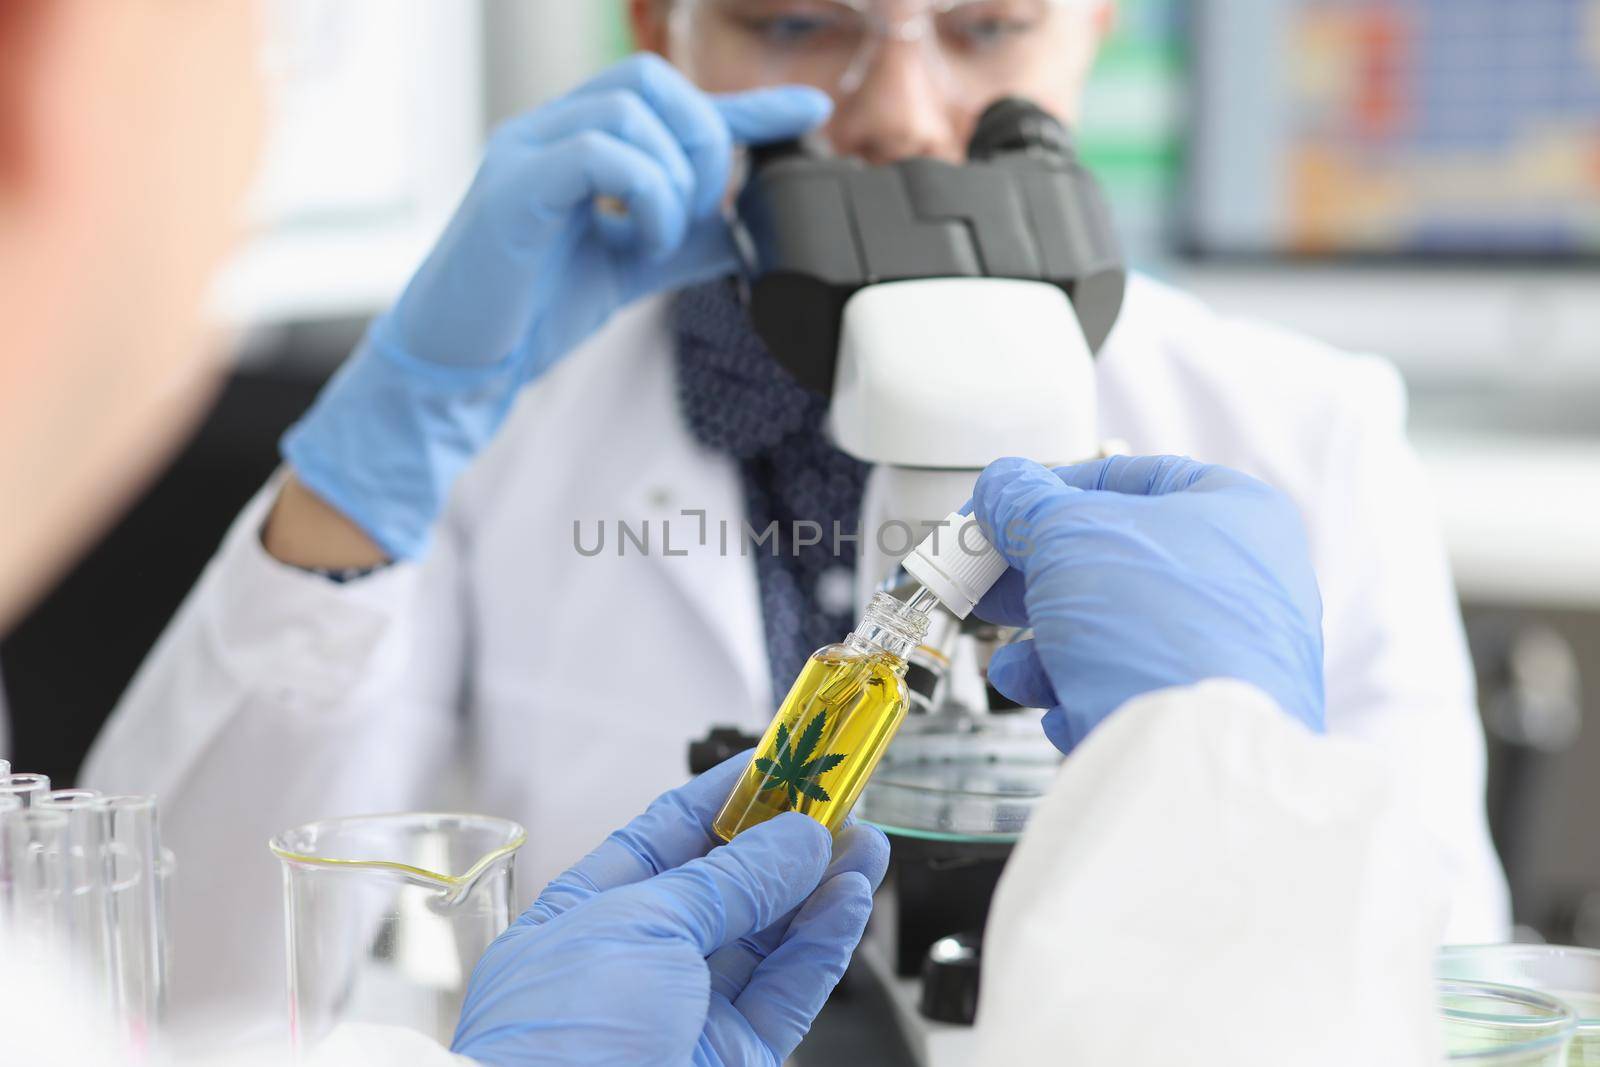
<point x="388" y="914"/>
<point x="1571" y="975"/>
<point x="1501" y="1026"/>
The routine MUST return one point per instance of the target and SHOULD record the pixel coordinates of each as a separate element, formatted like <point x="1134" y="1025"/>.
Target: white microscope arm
<point x="936" y="379"/>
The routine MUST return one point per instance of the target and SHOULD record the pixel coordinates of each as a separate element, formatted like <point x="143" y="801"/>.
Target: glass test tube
<point x="26" y="786"/>
<point x="86" y="887"/>
<point x="140" y="872"/>
<point x="10" y="806"/>
<point x="33" y="844"/>
<point x="84" y="878"/>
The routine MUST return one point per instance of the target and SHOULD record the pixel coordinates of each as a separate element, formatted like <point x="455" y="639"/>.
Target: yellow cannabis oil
<point x="827" y="738"/>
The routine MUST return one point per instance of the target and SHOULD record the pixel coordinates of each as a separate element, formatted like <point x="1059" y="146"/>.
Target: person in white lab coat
<point x="411" y="613"/>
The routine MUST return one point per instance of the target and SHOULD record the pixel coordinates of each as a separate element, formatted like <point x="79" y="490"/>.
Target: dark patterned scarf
<point x="736" y="399"/>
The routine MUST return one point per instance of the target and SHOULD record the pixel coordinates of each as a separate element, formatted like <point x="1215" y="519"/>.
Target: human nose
<point x="898" y="111"/>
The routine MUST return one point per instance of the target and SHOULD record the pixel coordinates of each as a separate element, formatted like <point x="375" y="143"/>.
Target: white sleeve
<point x="1398" y="672"/>
<point x="1209" y="883"/>
<point x="276" y="697"/>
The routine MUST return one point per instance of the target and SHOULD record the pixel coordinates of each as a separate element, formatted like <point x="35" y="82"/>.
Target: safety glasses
<point x="973" y="50"/>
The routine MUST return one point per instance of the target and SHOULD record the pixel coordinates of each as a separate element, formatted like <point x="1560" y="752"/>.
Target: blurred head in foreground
<point x="128" y="132"/>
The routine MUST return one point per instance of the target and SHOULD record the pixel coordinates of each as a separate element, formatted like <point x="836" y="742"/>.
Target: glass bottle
<point x="850" y="698"/>
<point x="834" y="725"/>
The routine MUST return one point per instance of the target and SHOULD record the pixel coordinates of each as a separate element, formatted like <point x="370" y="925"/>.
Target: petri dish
<point x="973" y="785"/>
<point x="1568" y="974"/>
<point x="1492" y="1025"/>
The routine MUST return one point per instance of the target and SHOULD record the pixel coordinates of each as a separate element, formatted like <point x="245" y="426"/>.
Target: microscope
<point x="951" y="314"/>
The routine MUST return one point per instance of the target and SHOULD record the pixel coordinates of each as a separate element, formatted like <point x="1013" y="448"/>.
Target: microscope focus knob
<point x="950" y="979"/>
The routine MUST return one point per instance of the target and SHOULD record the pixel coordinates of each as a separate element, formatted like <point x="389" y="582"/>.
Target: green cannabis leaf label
<point x="792" y="765"/>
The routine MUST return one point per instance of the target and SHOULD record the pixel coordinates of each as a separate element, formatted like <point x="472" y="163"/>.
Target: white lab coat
<point x="568" y="686"/>
<point x="1207" y="883"/>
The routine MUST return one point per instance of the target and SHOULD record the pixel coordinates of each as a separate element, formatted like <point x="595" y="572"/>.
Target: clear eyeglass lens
<point x="827" y="43"/>
<point x="987" y="31"/>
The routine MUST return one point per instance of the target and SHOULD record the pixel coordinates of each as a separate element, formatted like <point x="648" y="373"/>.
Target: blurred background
<point x="1416" y="178"/>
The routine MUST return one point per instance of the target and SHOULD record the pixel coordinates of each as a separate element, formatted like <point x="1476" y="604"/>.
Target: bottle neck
<point x="890" y="625"/>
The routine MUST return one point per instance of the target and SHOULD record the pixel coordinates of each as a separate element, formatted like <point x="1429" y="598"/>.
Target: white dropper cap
<point x="957" y="564"/>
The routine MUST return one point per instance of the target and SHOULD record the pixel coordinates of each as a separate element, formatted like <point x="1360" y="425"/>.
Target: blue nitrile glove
<point x="535" y="260"/>
<point x="1139" y="574"/>
<point x="659" y="948"/>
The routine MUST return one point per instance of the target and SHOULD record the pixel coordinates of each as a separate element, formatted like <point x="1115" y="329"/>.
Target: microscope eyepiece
<point x="1012" y="124"/>
<point x="814" y="229"/>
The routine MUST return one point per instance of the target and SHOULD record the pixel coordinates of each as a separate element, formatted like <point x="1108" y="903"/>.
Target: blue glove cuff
<point x="389" y="435"/>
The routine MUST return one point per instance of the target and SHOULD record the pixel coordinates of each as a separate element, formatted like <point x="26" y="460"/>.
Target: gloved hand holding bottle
<point x="1141" y="574"/>
<point x="581" y="207"/>
<point x="658" y="948"/>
